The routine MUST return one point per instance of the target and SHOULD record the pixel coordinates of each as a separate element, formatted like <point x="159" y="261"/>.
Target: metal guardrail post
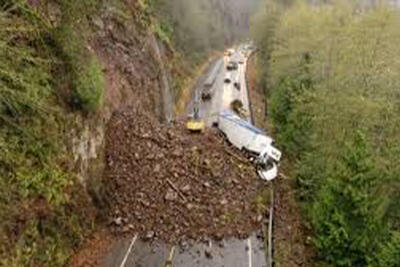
<point x="270" y="230"/>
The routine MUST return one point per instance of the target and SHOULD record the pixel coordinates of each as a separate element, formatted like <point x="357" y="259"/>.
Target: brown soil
<point x="128" y="58"/>
<point x="165" y="183"/>
<point x="292" y="246"/>
<point x="292" y="240"/>
<point x="257" y="99"/>
<point x="94" y="249"/>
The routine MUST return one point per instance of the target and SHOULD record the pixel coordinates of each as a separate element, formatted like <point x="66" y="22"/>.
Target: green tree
<point x="332" y="72"/>
<point x="349" y="213"/>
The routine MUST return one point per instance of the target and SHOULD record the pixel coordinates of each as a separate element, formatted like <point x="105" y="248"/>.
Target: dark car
<point x="206" y="94"/>
<point x="237" y="85"/>
<point x="232" y="66"/>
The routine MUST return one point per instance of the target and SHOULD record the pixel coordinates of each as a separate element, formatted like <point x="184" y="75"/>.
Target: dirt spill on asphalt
<point x="167" y="184"/>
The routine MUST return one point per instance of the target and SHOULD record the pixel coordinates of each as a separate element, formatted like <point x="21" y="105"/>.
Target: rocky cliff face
<point x="66" y="67"/>
<point x="136" y="70"/>
<point x="134" y="66"/>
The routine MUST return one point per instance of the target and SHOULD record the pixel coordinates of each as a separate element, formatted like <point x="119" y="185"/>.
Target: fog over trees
<point x="200" y="26"/>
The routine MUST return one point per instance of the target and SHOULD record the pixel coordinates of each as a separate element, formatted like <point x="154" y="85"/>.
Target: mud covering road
<point x="182" y="200"/>
<point x="164" y="183"/>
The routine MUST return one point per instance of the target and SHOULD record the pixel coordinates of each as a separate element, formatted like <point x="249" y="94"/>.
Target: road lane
<point x="227" y="253"/>
<point x="128" y="252"/>
<point x="223" y="94"/>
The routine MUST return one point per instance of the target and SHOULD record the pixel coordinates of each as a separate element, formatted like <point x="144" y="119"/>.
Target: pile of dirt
<point x="165" y="183"/>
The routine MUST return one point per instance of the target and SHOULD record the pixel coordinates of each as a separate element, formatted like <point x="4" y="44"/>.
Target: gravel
<point x="169" y="184"/>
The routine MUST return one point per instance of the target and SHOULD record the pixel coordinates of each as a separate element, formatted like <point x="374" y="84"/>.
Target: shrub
<point x="88" y="85"/>
<point x="389" y="255"/>
<point x="291" y="120"/>
<point x="82" y="65"/>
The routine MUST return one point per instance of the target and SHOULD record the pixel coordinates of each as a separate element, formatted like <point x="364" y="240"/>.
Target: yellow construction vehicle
<point x="195" y="123"/>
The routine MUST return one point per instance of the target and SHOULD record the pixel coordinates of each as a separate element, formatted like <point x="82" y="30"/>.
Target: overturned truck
<point x="252" y="141"/>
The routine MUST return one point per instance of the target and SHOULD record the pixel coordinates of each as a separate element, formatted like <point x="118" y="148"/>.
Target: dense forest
<point x="197" y="27"/>
<point x="331" y="74"/>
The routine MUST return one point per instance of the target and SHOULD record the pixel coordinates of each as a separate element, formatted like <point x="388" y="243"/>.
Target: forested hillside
<point x="56" y="91"/>
<point x="65" y="67"/>
<point x="331" y="72"/>
<point x="201" y="26"/>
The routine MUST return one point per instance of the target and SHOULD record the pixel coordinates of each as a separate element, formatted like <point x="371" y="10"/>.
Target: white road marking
<point x="128" y="251"/>
<point x="250" y="252"/>
<point x="170" y="257"/>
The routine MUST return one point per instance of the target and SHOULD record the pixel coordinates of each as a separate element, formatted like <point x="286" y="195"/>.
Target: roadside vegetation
<point x="331" y="72"/>
<point x="41" y="213"/>
<point x="80" y="63"/>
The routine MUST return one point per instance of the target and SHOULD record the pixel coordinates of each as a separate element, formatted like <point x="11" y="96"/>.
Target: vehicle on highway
<point x="244" y="136"/>
<point x="237" y="85"/>
<point x="232" y="65"/>
<point x="206" y="94"/>
<point x="195" y="123"/>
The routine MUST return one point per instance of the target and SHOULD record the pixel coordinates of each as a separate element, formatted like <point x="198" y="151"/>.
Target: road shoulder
<point x="291" y="239"/>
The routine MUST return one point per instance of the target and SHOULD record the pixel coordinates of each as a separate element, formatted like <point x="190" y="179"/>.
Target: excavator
<point x="195" y="123"/>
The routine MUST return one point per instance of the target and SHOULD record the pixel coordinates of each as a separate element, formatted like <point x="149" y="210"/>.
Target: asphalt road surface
<point x="227" y="253"/>
<point x="223" y="94"/>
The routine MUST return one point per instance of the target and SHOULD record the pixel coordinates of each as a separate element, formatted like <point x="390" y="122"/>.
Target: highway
<point x="223" y="94"/>
<point x="133" y="252"/>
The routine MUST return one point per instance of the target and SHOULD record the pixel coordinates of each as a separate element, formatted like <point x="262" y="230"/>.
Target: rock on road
<point x="134" y="252"/>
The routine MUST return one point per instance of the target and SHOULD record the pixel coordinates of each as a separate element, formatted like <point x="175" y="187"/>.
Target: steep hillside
<point x="332" y="85"/>
<point x="65" y="67"/>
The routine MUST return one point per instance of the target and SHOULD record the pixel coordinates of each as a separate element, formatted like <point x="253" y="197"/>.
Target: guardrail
<point x="270" y="250"/>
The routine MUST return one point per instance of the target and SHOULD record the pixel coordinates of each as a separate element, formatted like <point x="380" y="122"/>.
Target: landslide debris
<point x="165" y="183"/>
